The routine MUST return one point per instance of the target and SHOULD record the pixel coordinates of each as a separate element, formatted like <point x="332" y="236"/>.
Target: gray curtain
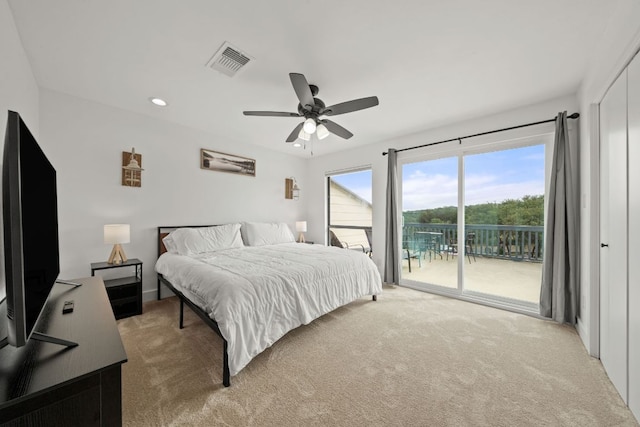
<point x="391" y="269"/>
<point x="560" y="270"/>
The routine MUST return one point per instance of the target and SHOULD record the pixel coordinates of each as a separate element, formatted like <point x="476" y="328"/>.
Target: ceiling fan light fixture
<point x="309" y="126"/>
<point x="297" y="144"/>
<point x="304" y="135"/>
<point x="321" y="131"/>
<point x="313" y="109"/>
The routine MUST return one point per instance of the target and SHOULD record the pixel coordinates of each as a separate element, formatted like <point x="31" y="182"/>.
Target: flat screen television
<point x="30" y="221"/>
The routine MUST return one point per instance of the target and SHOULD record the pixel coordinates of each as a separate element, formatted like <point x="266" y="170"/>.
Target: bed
<point x="252" y="283"/>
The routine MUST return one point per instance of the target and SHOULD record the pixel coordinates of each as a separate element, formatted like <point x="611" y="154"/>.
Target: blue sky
<point x="490" y="177"/>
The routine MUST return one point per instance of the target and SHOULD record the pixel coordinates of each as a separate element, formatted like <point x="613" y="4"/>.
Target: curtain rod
<point x="572" y="116"/>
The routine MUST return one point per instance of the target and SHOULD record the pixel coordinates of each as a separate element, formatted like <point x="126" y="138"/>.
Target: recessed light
<point x="158" y="101"/>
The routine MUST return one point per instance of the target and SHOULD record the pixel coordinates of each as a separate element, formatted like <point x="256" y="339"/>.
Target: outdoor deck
<point x="503" y="277"/>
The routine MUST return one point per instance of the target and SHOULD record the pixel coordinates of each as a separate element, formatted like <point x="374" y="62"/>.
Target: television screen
<point x="30" y="217"/>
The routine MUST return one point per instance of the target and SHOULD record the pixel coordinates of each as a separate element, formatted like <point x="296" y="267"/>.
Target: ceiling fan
<point x="312" y="109"/>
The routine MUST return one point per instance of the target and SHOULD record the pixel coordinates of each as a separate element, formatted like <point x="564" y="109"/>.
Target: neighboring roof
<point x="350" y="193"/>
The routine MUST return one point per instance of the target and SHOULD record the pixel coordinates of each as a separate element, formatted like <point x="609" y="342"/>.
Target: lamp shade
<point x="301" y="226"/>
<point x="309" y="126"/>
<point x="321" y="131"/>
<point x="304" y="135"/>
<point x="116" y="233"/>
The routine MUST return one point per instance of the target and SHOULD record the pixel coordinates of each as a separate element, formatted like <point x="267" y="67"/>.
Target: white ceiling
<point x="430" y="62"/>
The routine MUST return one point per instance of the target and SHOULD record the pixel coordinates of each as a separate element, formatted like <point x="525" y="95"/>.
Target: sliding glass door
<point x="504" y="223"/>
<point x="473" y="222"/>
<point x="430" y="215"/>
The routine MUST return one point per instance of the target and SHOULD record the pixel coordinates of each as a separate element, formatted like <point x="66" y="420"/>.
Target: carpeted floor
<point x="409" y="359"/>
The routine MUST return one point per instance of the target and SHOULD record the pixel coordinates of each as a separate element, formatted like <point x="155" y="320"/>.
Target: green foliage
<point x="526" y="211"/>
<point x="411" y="216"/>
<point x="443" y="215"/>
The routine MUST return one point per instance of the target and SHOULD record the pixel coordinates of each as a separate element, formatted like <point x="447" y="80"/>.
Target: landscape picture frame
<point x="224" y="162"/>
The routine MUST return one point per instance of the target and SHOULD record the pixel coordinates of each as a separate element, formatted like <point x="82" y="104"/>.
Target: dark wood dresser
<point x="45" y="384"/>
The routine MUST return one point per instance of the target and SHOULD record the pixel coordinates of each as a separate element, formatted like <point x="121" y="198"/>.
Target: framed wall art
<point x="223" y="162"/>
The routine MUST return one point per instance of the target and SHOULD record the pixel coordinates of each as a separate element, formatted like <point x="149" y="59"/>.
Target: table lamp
<point x="301" y="227"/>
<point x="116" y="234"/>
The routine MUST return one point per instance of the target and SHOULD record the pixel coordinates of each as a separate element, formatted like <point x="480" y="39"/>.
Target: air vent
<point x="228" y="60"/>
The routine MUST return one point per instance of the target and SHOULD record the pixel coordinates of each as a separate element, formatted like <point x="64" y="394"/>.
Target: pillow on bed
<point x="169" y="244"/>
<point x="266" y="233"/>
<point x="191" y="241"/>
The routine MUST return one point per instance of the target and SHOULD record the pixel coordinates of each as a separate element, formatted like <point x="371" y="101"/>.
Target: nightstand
<point x="125" y="293"/>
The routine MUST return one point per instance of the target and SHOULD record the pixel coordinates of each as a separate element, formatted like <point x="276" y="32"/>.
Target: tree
<point x="526" y="211"/>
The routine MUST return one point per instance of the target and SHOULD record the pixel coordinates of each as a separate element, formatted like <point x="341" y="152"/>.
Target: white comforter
<point x="258" y="294"/>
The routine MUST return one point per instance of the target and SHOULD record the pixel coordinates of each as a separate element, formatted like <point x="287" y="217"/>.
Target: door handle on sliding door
<point x="604" y="245"/>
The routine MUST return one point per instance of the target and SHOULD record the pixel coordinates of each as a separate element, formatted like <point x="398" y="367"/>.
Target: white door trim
<point x="594" y="300"/>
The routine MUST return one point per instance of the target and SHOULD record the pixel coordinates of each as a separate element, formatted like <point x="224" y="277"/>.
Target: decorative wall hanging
<point x="291" y="189"/>
<point x="223" y="162"/>
<point x="132" y="169"/>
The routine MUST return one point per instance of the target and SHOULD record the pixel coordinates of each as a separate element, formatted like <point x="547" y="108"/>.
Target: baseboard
<point x="149" y="295"/>
<point x="583" y="332"/>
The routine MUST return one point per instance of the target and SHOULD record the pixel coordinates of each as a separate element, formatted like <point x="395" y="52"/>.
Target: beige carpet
<point x="409" y="359"/>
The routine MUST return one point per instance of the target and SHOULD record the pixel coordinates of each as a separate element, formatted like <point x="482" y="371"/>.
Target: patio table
<point x="432" y="242"/>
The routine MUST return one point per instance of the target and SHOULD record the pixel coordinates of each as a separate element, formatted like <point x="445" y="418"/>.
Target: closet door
<point x="613" y="232"/>
<point x="633" y="75"/>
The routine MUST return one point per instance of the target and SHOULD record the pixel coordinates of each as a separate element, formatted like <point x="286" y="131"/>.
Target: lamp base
<point x="117" y="255"/>
<point x="301" y="238"/>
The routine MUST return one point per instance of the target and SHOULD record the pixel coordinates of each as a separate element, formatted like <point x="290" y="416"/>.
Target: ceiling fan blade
<point x="336" y="129"/>
<point x="294" y="135"/>
<point x="301" y="86"/>
<point x="349" y="106"/>
<point x="270" y="114"/>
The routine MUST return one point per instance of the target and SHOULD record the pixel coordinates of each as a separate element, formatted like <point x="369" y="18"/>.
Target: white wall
<point x="372" y="155"/>
<point x="610" y="56"/>
<point x="85" y="140"/>
<point x="18" y="91"/>
<point x="18" y="87"/>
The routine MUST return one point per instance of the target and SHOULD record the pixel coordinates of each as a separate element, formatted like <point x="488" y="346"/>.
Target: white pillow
<point x="266" y="233"/>
<point x="169" y="244"/>
<point x="191" y="241"/>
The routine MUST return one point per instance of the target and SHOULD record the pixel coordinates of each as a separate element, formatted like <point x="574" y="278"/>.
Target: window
<point x="350" y="210"/>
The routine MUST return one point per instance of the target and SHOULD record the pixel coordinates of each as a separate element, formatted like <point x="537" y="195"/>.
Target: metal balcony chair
<point x="334" y="241"/>
<point x="409" y="252"/>
<point x="452" y="248"/>
<point x="369" y="233"/>
<point x="471" y="238"/>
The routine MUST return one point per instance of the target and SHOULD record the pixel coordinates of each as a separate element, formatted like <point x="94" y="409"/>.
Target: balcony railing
<point x="514" y="242"/>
